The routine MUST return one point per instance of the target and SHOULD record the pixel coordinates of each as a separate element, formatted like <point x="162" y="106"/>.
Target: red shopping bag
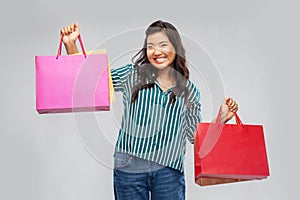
<point x="72" y="83"/>
<point x="225" y="153"/>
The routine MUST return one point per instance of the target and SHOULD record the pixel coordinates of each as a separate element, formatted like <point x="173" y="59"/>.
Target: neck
<point x="165" y="78"/>
<point x="164" y="74"/>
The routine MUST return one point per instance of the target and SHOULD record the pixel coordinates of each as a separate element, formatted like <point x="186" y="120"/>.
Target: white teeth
<point x="160" y="59"/>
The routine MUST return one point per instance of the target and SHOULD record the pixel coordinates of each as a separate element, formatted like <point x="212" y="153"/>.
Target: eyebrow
<point x="159" y="43"/>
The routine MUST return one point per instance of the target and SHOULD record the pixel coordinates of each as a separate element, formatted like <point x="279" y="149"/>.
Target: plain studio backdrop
<point x="244" y="49"/>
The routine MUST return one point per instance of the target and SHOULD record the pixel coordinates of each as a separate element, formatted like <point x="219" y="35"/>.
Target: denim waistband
<point x="128" y="163"/>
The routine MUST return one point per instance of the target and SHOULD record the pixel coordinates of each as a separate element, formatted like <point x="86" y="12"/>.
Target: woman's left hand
<point x="228" y="108"/>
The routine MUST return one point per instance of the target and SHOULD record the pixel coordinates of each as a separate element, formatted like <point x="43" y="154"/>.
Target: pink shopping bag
<point x="72" y="83"/>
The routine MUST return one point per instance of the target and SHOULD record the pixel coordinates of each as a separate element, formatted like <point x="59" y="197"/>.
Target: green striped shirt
<point x="151" y="128"/>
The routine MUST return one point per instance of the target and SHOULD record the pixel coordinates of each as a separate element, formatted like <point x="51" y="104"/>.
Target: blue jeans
<point x="139" y="179"/>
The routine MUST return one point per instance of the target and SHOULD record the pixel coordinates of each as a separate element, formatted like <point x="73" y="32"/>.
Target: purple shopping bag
<point x="72" y="83"/>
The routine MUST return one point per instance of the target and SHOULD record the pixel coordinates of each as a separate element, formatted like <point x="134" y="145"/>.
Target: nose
<point x="157" y="51"/>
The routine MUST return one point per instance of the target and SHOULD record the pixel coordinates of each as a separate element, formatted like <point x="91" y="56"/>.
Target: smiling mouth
<point x="160" y="60"/>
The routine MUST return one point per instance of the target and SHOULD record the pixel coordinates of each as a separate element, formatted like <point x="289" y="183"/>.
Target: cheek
<point x="148" y="55"/>
<point x="172" y="57"/>
<point x="172" y="54"/>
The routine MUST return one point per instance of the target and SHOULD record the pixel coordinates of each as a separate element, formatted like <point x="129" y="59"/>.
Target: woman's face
<point x="160" y="51"/>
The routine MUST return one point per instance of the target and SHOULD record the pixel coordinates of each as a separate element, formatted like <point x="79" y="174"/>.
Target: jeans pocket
<point x="121" y="160"/>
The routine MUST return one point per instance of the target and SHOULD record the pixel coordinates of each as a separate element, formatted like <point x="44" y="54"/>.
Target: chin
<point x="160" y="66"/>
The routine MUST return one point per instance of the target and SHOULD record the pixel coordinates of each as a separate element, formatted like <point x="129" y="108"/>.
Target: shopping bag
<point x="226" y="153"/>
<point x="72" y="83"/>
<point x="112" y="96"/>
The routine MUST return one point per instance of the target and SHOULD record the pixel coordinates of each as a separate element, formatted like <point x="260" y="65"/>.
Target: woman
<point x="161" y="110"/>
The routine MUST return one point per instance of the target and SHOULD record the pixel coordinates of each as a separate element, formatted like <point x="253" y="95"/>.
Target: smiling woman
<point x="161" y="54"/>
<point x="161" y="111"/>
<point x="160" y="51"/>
<point x="162" y="59"/>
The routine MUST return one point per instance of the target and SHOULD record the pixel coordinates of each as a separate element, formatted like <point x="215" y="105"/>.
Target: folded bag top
<point x="72" y="83"/>
<point x="225" y="153"/>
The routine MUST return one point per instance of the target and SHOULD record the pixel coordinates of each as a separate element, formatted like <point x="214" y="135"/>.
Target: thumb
<point x="228" y="101"/>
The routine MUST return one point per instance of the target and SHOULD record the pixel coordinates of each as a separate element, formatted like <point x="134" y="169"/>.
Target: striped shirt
<point x="151" y="128"/>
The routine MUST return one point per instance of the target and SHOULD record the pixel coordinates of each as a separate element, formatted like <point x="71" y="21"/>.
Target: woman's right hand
<point x="70" y="34"/>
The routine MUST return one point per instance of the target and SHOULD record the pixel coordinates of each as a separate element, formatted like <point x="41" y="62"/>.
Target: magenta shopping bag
<point x="72" y="83"/>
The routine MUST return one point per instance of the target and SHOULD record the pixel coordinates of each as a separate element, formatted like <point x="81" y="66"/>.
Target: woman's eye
<point x="149" y="47"/>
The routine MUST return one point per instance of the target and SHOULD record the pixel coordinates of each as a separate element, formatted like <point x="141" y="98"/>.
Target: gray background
<point x="254" y="48"/>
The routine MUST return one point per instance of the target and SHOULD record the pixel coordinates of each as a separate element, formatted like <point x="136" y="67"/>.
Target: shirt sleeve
<point x="193" y="114"/>
<point x="120" y="76"/>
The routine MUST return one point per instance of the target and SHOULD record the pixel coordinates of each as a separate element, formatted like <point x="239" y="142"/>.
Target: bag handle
<point x="213" y="134"/>
<point x="60" y="46"/>
<point x="237" y="118"/>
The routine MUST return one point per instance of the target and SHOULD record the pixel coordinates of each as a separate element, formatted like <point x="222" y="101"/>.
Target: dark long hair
<point x="146" y="73"/>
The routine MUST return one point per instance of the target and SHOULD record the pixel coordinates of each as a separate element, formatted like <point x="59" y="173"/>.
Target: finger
<point x="66" y="30"/>
<point x="62" y="31"/>
<point x="72" y="27"/>
<point x="232" y="103"/>
<point x="76" y="26"/>
<point x="229" y="102"/>
<point x="69" y="29"/>
<point x="227" y="99"/>
<point x="234" y="108"/>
